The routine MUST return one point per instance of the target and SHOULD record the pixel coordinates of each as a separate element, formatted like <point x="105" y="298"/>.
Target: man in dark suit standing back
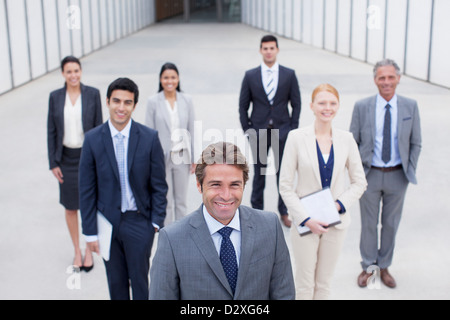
<point x="122" y="176"/>
<point x="269" y="88"/>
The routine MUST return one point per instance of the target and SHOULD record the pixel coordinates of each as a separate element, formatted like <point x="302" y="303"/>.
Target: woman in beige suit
<point x="319" y="156"/>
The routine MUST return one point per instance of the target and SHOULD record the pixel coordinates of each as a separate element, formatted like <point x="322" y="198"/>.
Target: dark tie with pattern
<point x="386" y="149"/>
<point x="228" y="257"/>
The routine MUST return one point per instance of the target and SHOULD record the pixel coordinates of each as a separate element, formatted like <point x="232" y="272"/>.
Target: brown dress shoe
<point x="387" y="279"/>
<point x="362" y="279"/>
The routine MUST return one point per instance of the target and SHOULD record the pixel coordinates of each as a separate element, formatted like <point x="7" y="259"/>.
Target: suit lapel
<point x="165" y="112"/>
<point x="372" y="111"/>
<point x="109" y="147"/>
<point x="338" y="146"/>
<point x="247" y="244"/>
<point x="132" y="144"/>
<point x="84" y="107"/>
<point x="311" y="147"/>
<point x="202" y="238"/>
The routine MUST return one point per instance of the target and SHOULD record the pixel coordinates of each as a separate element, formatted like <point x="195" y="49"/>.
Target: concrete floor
<point x="35" y="245"/>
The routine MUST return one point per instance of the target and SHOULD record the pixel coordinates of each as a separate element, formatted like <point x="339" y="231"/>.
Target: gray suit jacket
<point x="187" y="266"/>
<point x="158" y="118"/>
<point x="409" y="133"/>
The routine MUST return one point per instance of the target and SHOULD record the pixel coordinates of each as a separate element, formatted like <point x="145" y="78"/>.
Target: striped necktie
<point x="270" y="88"/>
<point x="120" y="156"/>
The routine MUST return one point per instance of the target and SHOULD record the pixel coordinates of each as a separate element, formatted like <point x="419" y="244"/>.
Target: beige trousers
<point x="315" y="259"/>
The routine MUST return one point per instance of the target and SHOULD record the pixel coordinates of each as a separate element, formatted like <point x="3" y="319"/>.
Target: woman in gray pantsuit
<point x="171" y="113"/>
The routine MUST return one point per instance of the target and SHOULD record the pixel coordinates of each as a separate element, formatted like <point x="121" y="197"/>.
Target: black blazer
<point x="91" y="117"/>
<point x="252" y="90"/>
<point x="99" y="183"/>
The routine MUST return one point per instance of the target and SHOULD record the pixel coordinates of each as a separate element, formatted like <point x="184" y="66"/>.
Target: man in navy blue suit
<point x="269" y="88"/>
<point x="122" y="176"/>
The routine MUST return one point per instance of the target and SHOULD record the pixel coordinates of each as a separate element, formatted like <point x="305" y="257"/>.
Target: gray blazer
<point x="158" y="118"/>
<point x="187" y="266"/>
<point x="409" y="133"/>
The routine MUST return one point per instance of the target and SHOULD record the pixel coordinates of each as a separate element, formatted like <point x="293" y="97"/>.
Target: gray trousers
<point x="177" y="177"/>
<point x="385" y="195"/>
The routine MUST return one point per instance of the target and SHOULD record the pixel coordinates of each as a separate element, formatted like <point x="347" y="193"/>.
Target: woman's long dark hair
<point x="168" y="66"/>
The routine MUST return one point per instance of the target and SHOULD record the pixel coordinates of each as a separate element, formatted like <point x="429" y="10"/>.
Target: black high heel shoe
<point x="87" y="269"/>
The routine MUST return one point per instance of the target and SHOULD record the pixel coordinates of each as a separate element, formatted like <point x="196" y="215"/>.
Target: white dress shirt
<point x="215" y="226"/>
<point x="379" y="122"/>
<point x="73" y="124"/>
<point x="126" y="134"/>
<point x="265" y="75"/>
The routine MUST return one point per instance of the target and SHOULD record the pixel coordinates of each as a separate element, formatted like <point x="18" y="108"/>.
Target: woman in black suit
<point x="73" y="111"/>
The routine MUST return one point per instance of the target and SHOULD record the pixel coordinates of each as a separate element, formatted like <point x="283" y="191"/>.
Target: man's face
<point x="387" y="80"/>
<point x="269" y="51"/>
<point x="222" y="191"/>
<point x="121" y="106"/>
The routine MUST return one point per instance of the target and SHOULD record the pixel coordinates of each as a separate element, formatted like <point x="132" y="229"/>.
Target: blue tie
<point x="228" y="257"/>
<point x="386" y="149"/>
<point x="120" y="156"/>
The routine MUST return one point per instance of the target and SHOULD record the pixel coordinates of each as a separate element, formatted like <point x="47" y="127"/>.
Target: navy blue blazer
<point x="91" y="116"/>
<point x="252" y="91"/>
<point x="99" y="183"/>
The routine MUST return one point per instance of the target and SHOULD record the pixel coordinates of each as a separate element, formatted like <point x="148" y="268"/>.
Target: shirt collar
<point x="275" y="67"/>
<point x="125" y="132"/>
<point x="381" y="102"/>
<point x="214" y="225"/>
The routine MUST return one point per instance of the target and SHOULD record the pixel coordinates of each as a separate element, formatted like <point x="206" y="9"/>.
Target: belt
<point x="389" y="169"/>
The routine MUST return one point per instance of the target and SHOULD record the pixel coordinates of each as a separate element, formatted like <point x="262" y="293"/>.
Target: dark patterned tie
<point x="228" y="257"/>
<point x="386" y="149"/>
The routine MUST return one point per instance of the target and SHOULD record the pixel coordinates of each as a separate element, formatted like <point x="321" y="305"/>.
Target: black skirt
<point x="68" y="191"/>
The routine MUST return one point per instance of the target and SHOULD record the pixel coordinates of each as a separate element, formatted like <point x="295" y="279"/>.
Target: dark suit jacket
<point x="91" y="116"/>
<point x="187" y="265"/>
<point x="252" y="91"/>
<point x="99" y="177"/>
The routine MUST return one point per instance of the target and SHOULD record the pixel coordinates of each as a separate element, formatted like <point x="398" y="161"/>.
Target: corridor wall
<point x="36" y="34"/>
<point x="412" y="32"/>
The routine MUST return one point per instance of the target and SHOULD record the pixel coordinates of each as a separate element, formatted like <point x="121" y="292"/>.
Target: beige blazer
<point x="300" y="175"/>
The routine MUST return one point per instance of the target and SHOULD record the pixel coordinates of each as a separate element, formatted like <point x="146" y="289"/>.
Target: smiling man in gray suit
<point x="222" y="251"/>
<point x="387" y="130"/>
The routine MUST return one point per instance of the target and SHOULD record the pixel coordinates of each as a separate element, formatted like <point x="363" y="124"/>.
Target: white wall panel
<point x="317" y="23"/>
<point x="344" y="24"/>
<point x="307" y="21"/>
<point x="418" y="38"/>
<point x="5" y="70"/>
<point x="19" y="42"/>
<point x="280" y="16"/>
<point x="396" y="31"/>
<point x="359" y="28"/>
<point x="51" y="34"/>
<point x="297" y="20"/>
<point x="86" y="26"/>
<point x="288" y="20"/>
<point x="376" y="13"/>
<point x="330" y="25"/>
<point x="65" y="36"/>
<point x="440" y="62"/>
<point x="36" y="38"/>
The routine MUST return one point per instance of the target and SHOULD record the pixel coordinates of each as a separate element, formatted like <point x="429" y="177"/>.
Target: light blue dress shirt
<point x="379" y="122"/>
<point x="214" y="226"/>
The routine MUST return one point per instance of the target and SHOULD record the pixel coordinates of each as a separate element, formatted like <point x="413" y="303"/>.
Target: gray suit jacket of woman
<point x="158" y="118"/>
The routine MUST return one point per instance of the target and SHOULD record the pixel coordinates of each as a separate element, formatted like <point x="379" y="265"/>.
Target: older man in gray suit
<point x="222" y="251"/>
<point x="387" y="130"/>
